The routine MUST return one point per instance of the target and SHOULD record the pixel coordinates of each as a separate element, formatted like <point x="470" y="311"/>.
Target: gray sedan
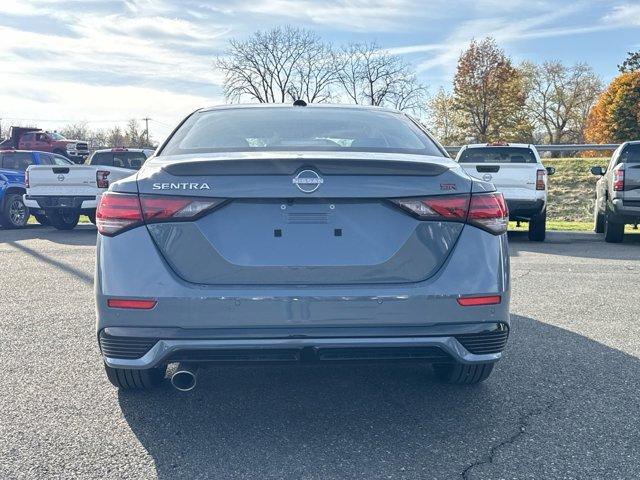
<point x="300" y="234"/>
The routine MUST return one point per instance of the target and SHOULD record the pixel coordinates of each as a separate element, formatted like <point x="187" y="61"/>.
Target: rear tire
<point x="41" y="219"/>
<point x="538" y="227"/>
<point x="598" y="220"/>
<point x="129" y="379"/>
<point x="613" y="232"/>
<point x="67" y="220"/>
<point x="463" y="374"/>
<point x="15" y="213"/>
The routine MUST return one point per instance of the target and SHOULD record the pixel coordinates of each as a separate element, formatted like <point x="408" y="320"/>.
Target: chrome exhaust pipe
<point x="185" y="377"/>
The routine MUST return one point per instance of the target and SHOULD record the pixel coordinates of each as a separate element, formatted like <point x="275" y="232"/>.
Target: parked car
<point x="618" y="192"/>
<point x="66" y="192"/>
<point x="53" y="142"/>
<point x="289" y="234"/>
<point x="517" y="171"/>
<point x="13" y="164"/>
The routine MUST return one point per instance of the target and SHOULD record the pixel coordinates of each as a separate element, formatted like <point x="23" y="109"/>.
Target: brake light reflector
<point x="618" y="180"/>
<point x="477" y="301"/>
<point x="540" y="185"/>
<point x="489" y="212"/>
<point x="117" y="212"/>
<point x="131" y="304"/>
<point x="101" y="178"/>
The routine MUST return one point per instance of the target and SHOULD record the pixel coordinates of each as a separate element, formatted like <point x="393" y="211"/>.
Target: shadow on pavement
<point x="555" y="395"/>
<point x="564" y="244"/>
<point x="83" y="234"/>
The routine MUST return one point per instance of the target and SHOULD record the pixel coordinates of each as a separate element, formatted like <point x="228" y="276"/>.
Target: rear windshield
<point x="497" y="155"/>
<point x="630" y="154"/>
<point x="131" y="160"/>
<point x="299" y="129"/>
<point x="18" y="161"/>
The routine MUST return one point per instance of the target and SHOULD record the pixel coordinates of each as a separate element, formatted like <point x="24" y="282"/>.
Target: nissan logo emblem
<point x="487" y="177"/>
<point x="60" y="178"/>
<point x="308" y="181"/>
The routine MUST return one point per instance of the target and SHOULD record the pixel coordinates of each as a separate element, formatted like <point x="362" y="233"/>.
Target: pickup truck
<point x="13" y="163"/>
<point x="25" y="138"/>
<point x="618" y="192"/>
<point x="517" y="171"/>
<point x="66" y="192"/>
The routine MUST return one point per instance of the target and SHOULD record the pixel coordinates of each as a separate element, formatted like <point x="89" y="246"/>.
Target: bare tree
<point x="372" y="76"/>
<point x="277" y="65"/>
<point x="559" y="98"/>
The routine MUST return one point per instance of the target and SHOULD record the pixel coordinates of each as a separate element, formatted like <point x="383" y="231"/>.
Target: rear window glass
<point x="130" y="160"/>
<point x="17" y="161"/>
<point x="299" y="129"/>
<point x="497" y="155"/>
<point x="630" y="154"/>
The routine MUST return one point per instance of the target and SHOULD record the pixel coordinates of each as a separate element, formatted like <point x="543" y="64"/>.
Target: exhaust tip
<point x="184" y="380"/>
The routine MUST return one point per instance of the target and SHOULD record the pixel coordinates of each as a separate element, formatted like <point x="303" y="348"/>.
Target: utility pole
<point x="146" y="129"/>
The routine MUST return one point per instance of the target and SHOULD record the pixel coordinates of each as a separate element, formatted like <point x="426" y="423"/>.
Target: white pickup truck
<point x="517" y="171"/>
<point x="68" y="191"/>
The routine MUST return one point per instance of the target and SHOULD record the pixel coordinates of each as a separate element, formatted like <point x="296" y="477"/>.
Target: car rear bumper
<point x="45" y="202"/>
<point x="625" y="211"/>
<point x="524" y="209"/>
<point x="141" y="348"/>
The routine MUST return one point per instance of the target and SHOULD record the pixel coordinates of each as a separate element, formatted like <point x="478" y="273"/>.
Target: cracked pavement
<point x="564" y="403"/>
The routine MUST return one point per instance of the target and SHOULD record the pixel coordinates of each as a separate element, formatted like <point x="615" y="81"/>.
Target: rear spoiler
<point x="289" y="166"/>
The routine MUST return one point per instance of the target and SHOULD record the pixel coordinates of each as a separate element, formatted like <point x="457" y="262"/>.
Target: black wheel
<point x="41" y="219"/>
<point x="92" y="217"/>
<point x="462" y="374"/>
<point x="598" y="220"/>
<point x="15" y="213"/>
<point x="538" y="227"/>
<point x="613" y="232"/>
<point x="64" y="220"/>
<point x="128" y="379"/>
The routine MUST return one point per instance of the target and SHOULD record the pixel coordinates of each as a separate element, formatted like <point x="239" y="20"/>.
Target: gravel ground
<point x="563" y="404"/>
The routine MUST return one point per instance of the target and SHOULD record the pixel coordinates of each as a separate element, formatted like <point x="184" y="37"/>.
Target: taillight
<point x="540" y="174"/>
<point x="486" y="210"/>
<point x="489" y="212"/>
<point x="618" y="180"/>
<point x="118" y="212"/>
<point x="26" y="178"/>
<point x="101" y="178"/>
<point x="159" y="208"/>
<point x="448" y="207"/>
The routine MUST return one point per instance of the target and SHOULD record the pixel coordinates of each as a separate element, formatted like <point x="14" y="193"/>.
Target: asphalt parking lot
<point x="564" y="402"/>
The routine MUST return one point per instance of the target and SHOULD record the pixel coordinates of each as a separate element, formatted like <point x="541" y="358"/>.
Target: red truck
<point x="23" y="138"/>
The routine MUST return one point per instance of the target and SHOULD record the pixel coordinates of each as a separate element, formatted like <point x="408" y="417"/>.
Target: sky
<point x="105" y="61"/>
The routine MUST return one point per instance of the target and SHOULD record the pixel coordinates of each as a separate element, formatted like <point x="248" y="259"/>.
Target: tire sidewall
<point x="6" y="220"/>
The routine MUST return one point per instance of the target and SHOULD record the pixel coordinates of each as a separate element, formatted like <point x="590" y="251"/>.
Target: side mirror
<point x="597" y="170"/>
<point x="551" y="170"/>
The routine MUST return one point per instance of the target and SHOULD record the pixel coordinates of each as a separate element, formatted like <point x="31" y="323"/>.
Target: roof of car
<point x="291" y="105"/>
<point x="492" y="145"/>
<point x="123" y="149"/>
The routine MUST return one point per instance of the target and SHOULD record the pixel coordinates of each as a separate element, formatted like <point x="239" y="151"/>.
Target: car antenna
<point x="299" y="103"/>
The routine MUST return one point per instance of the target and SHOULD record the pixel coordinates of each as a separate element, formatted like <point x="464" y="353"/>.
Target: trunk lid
<point x="271" y="231"/>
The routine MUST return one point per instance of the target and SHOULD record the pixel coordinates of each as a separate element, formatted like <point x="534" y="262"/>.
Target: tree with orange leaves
<point x="615" y="118"/>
